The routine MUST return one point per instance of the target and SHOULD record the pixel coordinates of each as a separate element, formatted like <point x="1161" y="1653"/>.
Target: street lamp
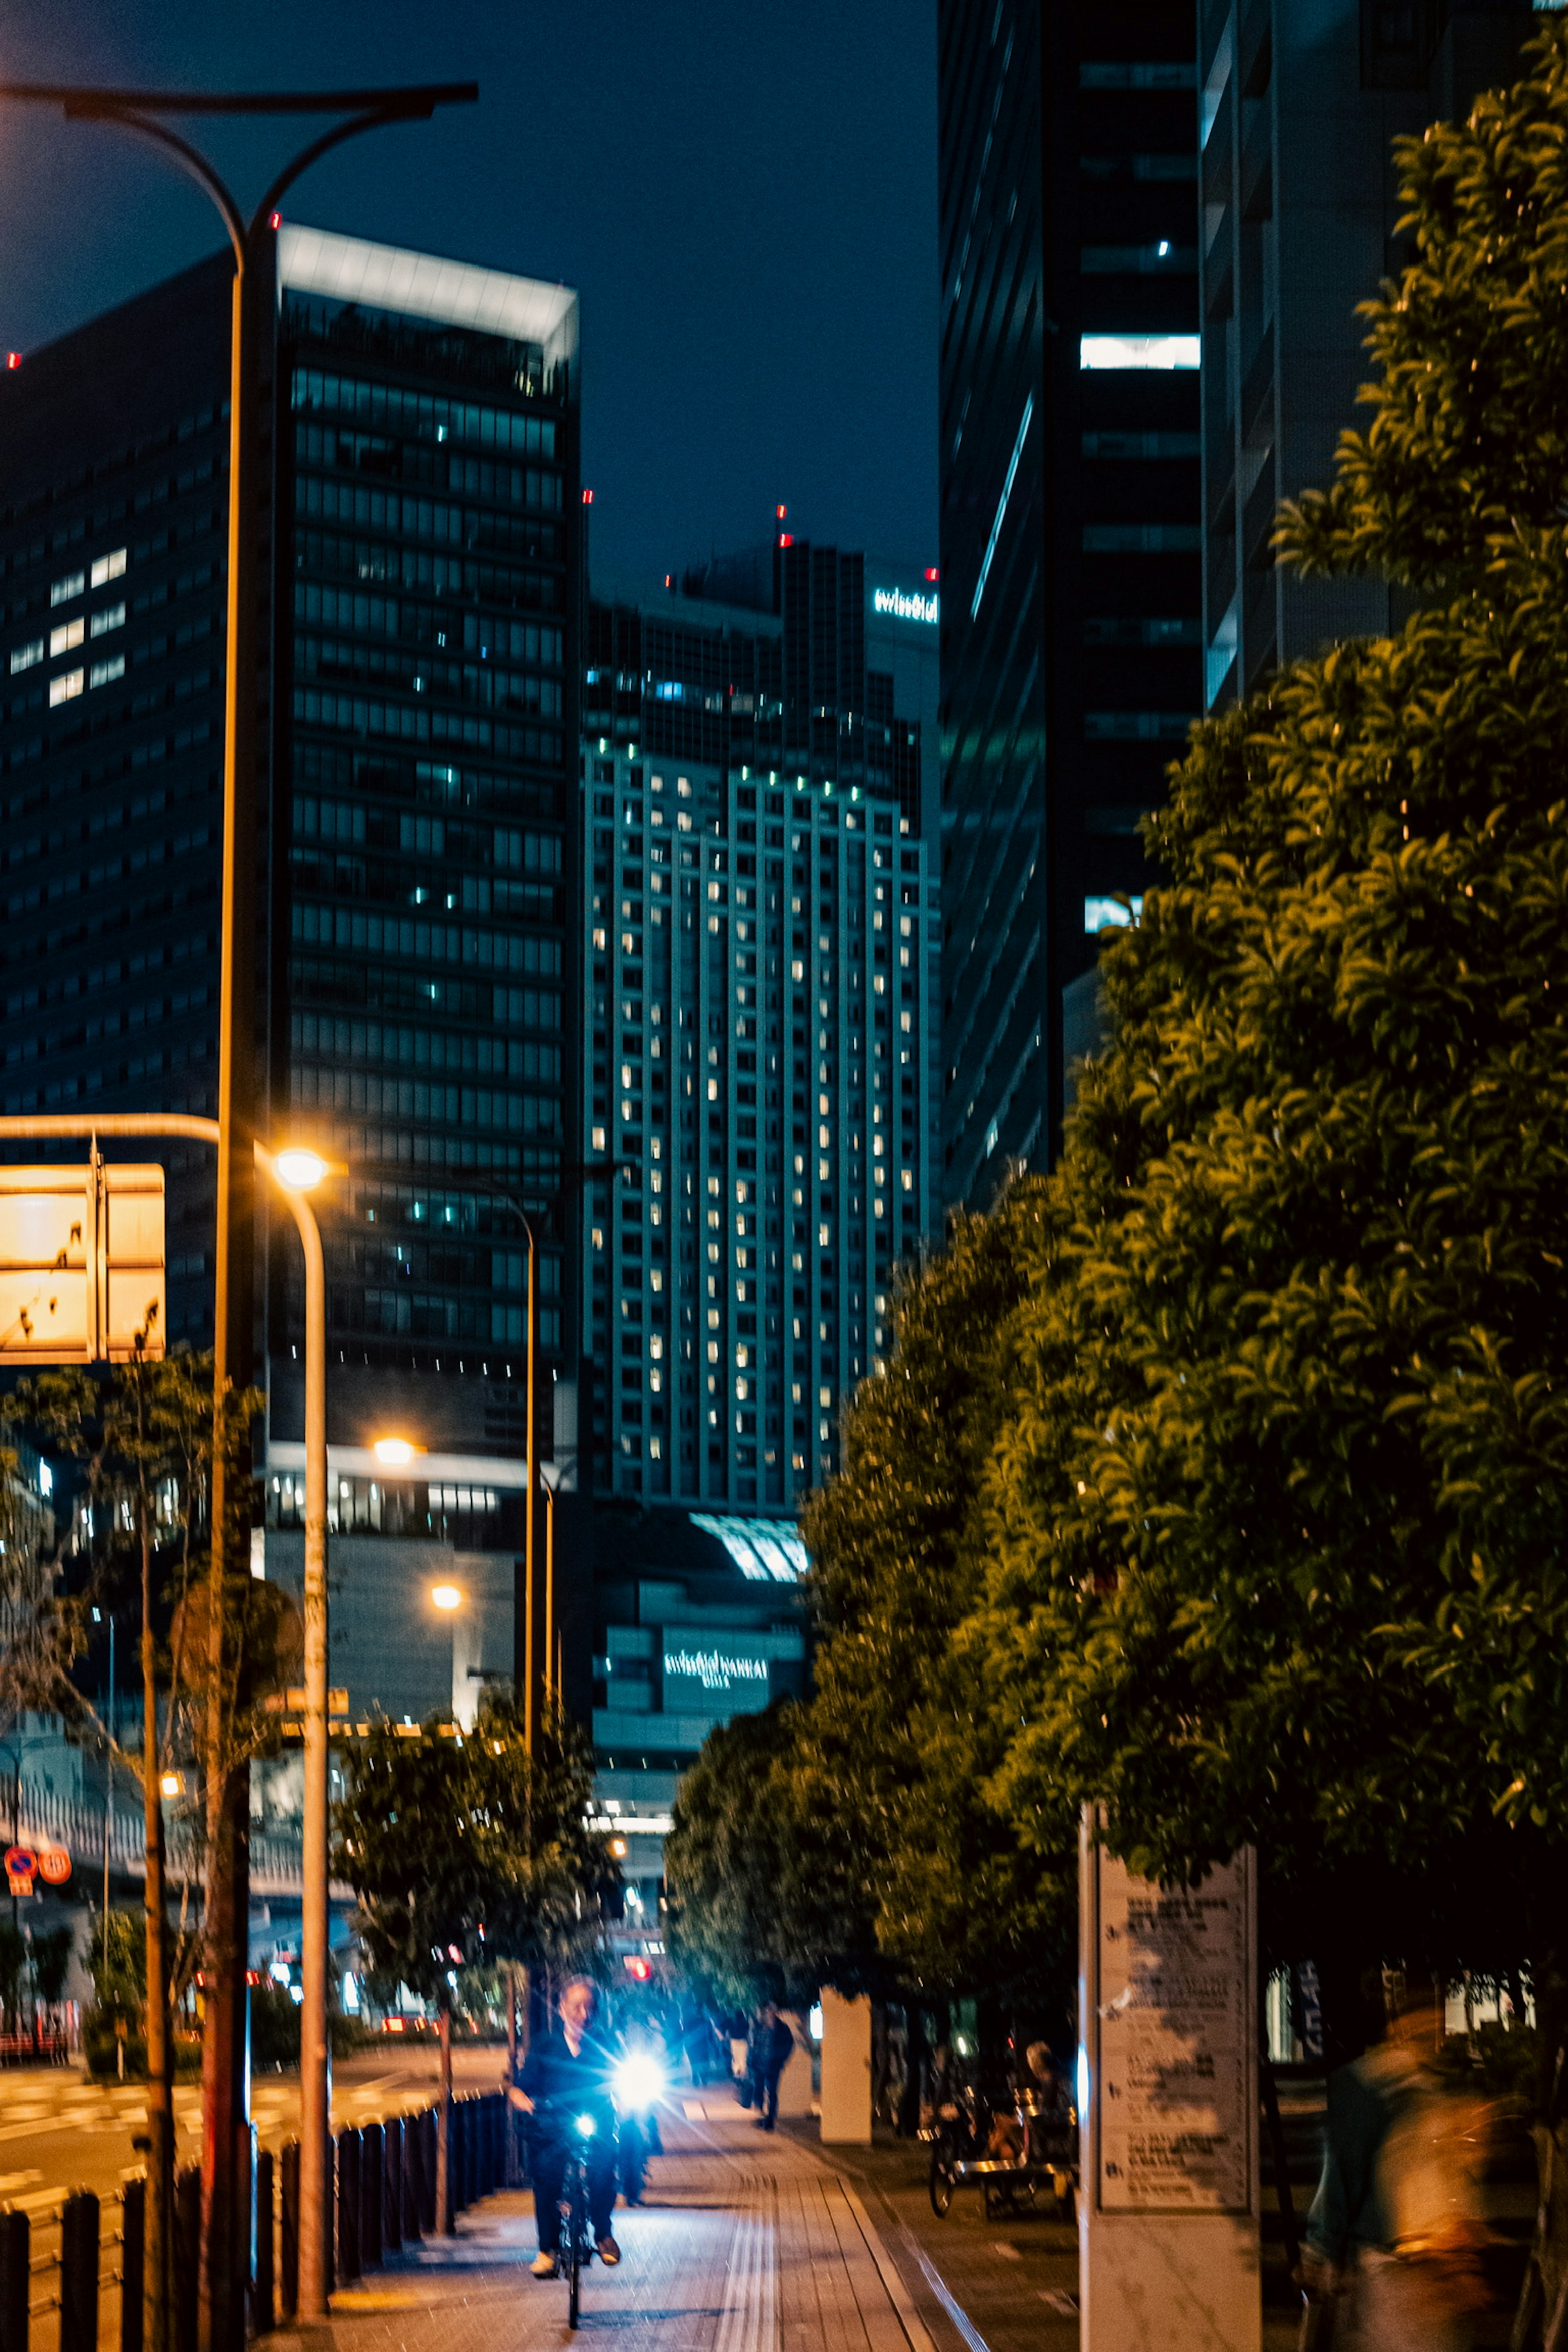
<point x="297" y="1172"/>
<point x="394" y="1452"/>
<point x="225" y="2261"/>
<point x="550" y="1479"/>
<point x="446" y="1597"/>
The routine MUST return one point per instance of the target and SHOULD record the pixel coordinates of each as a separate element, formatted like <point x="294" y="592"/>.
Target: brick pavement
<point x="746" y="2243"/>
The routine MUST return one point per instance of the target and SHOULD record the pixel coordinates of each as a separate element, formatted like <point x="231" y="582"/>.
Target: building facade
<point x="1289" y="251"/>
<point x="1071" y="578"/>
<point x="758" y="1014"/>
<point x="417" y="959"/>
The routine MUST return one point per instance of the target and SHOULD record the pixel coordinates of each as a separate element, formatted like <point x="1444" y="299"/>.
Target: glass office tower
<point x="416" y="961"/>
<point x="757" y="1000"/>
<point x="1070" y="572"/>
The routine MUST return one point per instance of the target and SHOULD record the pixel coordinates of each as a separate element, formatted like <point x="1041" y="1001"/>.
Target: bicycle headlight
<point x="638" y="2082"/>
<point x="586" y="2125"/>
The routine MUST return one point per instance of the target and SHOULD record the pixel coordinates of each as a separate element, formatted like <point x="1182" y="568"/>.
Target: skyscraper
<point x="758" y="1011"/>
<point x="416" y="953"/>
<point x="1289" y="250"/>
<point x="1070" y="512"/>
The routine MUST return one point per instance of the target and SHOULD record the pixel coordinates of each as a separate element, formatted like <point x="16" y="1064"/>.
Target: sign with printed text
<point x="1172" y="2008"/>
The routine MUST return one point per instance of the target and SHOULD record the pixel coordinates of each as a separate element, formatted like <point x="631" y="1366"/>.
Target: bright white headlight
<point x="638" y="2082"/>
<point x="585" y="2125"/>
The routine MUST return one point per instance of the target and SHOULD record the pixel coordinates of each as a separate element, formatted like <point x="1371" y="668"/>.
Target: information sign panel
<point x="1175" y="1970"/>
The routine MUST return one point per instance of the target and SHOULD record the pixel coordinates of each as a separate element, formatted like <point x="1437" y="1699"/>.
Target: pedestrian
<point x="568" y="2073"/>
<point x="771" y="2047"/>
<point x="1395" y="2234"/>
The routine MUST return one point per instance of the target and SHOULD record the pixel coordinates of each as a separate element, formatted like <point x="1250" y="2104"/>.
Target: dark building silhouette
<point x="1070" y="510"/>
<point x="1290" y="249"/>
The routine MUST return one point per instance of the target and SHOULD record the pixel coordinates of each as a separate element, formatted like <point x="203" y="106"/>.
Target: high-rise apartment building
<point x="1289" y="250"/>
<point x="1070" y="525"/>
<point x="755" y="948"/>
<point x="416" y="947"/>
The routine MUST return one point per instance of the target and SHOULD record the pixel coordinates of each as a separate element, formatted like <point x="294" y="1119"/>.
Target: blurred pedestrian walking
<point x="1395" y="2235"/>
<point x="769" y="2052"/>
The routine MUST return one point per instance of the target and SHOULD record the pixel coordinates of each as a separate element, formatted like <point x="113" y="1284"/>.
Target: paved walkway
<point x="748" y="2244"/>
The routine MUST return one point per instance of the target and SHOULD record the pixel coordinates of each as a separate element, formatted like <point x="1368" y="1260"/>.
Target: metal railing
<point x="70" y="2264"/>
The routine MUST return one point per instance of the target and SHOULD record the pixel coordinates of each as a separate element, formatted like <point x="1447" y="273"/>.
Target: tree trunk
<point x="158" y="2226"/>
<point x="445" y="2223"/>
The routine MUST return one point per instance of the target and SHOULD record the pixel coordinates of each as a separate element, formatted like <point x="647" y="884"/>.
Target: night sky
<point x="744" y="198"/>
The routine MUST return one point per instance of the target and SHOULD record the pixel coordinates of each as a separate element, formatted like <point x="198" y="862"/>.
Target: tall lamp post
<point x="224" y="2071"/>
<point x="298" y="1172"/>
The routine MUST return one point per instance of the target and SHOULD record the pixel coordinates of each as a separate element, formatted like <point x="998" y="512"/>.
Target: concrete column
<point x="846" y="2069"/>
<point x="1168" y="2213"/>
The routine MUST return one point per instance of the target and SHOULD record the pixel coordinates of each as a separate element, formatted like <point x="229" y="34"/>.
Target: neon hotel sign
<point x="906" y="604"/>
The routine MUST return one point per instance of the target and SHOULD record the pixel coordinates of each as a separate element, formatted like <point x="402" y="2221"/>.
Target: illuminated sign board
<point x="722" y="1675"/>
<point x="907" y="604"/>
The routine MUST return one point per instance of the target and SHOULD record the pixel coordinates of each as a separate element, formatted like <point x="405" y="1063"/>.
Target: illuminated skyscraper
<point x="417" y="950"/>
<point x="755" y="949"/>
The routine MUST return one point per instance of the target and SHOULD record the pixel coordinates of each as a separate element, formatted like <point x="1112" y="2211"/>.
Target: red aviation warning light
<point x="934" y="572"/>
<point x="13" y="360"/>
<point x="587" y="498"/>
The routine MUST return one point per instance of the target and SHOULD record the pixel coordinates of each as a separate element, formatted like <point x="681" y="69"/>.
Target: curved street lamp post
<point x="225" y="2262"/>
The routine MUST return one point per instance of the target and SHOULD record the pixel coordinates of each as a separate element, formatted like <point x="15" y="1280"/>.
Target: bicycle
<point x="576" y="2247"/>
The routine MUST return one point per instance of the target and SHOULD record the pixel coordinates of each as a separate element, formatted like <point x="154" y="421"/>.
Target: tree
<point x="466" y="1850"/>
<point x="849" y="1841"/>
<point x="1279" y="1514"/>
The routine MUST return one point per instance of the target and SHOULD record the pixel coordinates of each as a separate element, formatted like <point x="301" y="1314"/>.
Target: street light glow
<point x="446" y="1596"/>
<point x="301" y="1171"/>
<point x="394" y="1453"/>
<point x="170" y="1784"/>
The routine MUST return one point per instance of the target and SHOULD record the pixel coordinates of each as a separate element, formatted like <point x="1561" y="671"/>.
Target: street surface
<point x="60" y="2131"/>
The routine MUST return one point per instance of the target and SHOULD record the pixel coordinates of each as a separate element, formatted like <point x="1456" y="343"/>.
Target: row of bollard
<point x="386" y="2199"/>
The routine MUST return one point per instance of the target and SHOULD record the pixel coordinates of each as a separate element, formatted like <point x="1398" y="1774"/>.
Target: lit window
<point x="64" y="590"/>
<point x="1162" y="351"/>
<point x="68" y="637"/>
<point x="25" y="657"/>
<point x="105" y="672"/>
<point x="67" y="687"/>
<point x="112" y="618"/>
<point x="1110" y="914"/>
<point x="109" y="567"/>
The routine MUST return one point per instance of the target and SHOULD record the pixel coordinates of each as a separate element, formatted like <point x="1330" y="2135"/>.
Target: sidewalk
<point x="748" y="2242"/>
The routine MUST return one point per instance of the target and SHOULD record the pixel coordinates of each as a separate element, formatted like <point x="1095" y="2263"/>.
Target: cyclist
<point x="568" y="2074"/>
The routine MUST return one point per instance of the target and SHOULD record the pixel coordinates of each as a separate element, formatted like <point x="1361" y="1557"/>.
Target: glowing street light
<point x="446" y="1596"/>
<point x="394" y="1452"/>
<point x="298" y="1169"/>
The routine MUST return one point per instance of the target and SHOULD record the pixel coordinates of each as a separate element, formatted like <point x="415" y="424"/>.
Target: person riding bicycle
<point x="567" y="2075"/>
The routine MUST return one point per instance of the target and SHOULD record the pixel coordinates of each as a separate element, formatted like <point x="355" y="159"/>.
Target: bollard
<point x="392" y="2184"/>
<point x="262" y="2313"/>
<point x="427" y="2172"/>
<point x="484" y="2179"/>
<point x="457" y="2160"/>
<point x="371" y="2161"/>
<point x="15" y="2256"/>
<point x="133" y="2254"/>
<point x="79" y="2272"/>
<point x="289" y="2268"/>
<point x="348" y="2205"/>
<point x="187" y="2256"/>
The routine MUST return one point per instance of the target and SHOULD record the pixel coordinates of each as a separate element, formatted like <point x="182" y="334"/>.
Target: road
<point x="59" y="2131"/>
